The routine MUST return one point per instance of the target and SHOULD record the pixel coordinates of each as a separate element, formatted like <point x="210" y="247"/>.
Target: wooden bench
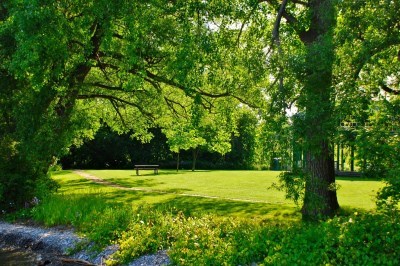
<point x="154" y="167"/>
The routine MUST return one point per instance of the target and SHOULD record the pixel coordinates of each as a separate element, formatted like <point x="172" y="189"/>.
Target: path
<point x="99" y="180"/>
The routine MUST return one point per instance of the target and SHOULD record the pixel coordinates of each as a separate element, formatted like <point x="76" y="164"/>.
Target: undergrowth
<point x="357" y="239"/>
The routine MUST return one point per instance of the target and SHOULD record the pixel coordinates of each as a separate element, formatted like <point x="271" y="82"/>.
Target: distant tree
<point x="379" y="142"/>
<point x="243" y="151"/>
<point x="275" y="142"/>
<point x="202" y="130"/>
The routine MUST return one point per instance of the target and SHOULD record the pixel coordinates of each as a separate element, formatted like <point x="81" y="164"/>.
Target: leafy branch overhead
<point x="136" y="58"/>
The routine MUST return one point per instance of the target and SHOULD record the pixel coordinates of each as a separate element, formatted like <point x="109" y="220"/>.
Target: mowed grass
<point x="227" y="193"/>
<point x="251" y="186"/>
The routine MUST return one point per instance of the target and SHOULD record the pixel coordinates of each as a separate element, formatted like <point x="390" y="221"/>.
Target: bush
<point x="389" y="197"/>
<point x="369" y="240"/>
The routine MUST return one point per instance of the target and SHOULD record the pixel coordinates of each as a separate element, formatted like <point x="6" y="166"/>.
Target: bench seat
<point x="154" y="167"/>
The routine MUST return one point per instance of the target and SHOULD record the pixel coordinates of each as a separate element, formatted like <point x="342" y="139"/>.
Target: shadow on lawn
<point x="126" y="182"/>
<point x="79" y="184"/>
<point x="196" y="205"/>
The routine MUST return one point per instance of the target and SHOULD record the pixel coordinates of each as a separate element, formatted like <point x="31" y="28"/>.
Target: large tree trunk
<point x="320" y="197"/>
<point x="317" y="101"/>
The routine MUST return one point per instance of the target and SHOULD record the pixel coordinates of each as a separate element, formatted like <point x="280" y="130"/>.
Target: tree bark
<point x="320" y="196"/>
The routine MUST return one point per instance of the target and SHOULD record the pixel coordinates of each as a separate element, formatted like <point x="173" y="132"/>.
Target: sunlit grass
<point x="226" y="193"/>
<point x="359" y="193"/>
<point x="242" y="185"/>
<point x="191" y="193"/>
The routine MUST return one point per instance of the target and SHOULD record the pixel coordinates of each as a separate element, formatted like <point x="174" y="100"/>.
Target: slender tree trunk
<point x="195" y="155"/>
<point x="177" y="162"/>
<point x="352" y="158"/>
<point x="342" y="158"/>
<point x="338" y="156"/>
<point x="320" y="196"/>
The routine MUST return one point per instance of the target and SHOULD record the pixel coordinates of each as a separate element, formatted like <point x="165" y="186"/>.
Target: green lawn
<point x="237" y="193"/>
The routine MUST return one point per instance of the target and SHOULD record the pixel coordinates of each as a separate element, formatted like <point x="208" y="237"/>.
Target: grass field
<point x="236" y="193"/>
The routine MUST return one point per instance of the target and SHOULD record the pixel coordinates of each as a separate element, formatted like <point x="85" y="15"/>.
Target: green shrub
<point x="303" y="244"/>
<point x="369" y="240"/>
<point x="389" y="196"/>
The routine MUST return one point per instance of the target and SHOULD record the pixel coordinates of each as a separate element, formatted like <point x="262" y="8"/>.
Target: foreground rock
<point x="55" y="245"/>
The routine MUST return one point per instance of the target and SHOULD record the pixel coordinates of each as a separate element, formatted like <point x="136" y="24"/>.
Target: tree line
<point x="110" y="150"/>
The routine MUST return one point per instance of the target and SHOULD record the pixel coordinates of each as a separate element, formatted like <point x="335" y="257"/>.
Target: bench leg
<point x="137" y="171"/>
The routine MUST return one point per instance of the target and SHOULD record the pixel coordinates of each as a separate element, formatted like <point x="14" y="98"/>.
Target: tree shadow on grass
<point x="135" y="183"/>
<point x="79" y="184"/>
<point x="197" y="206"/>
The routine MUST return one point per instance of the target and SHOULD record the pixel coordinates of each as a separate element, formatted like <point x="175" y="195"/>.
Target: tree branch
<point x="289" y="18"/>
<point x="275" y="31"/>
<point x="114" y="98"/>
<point x="191" y="92"/>
<point x="170" y="103"/>
<point x="119" y="114"/>
<point x="244" y="22"/>
<point x="154" y="84"/>
<point x="103" y="86"/>
<point x="225" y="94"/>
